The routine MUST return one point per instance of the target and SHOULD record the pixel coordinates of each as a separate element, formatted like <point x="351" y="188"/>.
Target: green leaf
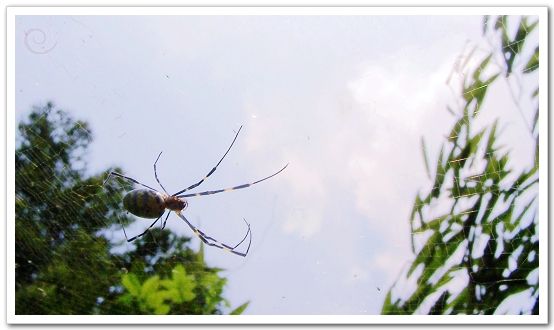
<point x="162" y="309"/>
<point x="185" y="284"/>
<point x="533" y="62"/>
<point x="126" y="299"/>
<point x="440" y="305"/>
<point x="427" y="167"/>
<point x="150" y="286"/>
<point x="536" y="119"/>
<point x="131" y="283"/>
<point x="240" y="309"/>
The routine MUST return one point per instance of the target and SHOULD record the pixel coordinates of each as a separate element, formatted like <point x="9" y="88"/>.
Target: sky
<point x="343" y="99"/>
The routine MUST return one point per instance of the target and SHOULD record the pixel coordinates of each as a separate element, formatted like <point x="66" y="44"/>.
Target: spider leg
<point x="156" y="175"/>
<point x="213" y="242"/>
<point x="165" y="221"/>
<point x="147" y="229"/>
<point x="230" y="189"/>
<point x="128" y="178"/>
<point x="212" y="171"/>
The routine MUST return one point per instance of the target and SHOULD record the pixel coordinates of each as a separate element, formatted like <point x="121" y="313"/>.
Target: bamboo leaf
<point x="240" y="309"/>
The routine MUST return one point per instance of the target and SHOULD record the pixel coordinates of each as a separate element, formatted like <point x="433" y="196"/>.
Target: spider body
<point x="152" y="204"/>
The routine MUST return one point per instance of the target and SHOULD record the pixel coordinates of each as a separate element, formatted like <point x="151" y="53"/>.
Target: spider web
<point x="289" y="240"/>
<point x="69" y="238"/>
<point x="70" y="254"/>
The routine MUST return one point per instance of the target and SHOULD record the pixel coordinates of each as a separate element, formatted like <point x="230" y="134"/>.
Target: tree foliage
<point x="479" y="222"/>
<point x="64" y="262"/>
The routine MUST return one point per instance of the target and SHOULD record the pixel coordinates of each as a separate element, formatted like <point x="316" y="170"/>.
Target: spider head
<point x="175" y="203"/>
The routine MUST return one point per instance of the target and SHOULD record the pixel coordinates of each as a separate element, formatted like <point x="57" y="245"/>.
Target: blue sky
<point x="345" y="100"/>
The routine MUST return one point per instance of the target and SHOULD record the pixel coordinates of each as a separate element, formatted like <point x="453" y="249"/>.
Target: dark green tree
<point x="64" y="260"/>
<point x="488" y="234"/>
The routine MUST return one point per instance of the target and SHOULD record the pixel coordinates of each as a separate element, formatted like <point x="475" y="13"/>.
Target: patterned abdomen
<point x="144" y="203"/>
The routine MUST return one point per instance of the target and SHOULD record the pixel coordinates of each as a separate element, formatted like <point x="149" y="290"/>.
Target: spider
<point x="150" y="203"/>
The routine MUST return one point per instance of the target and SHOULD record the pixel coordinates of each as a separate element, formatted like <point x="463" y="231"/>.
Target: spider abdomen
<point x="145" y="203"/>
